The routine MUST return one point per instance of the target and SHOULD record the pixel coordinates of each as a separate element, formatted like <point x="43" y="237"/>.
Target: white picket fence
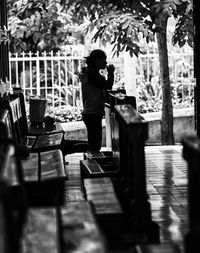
<point x="55" y="76"/>
<point x="50" y="75"/>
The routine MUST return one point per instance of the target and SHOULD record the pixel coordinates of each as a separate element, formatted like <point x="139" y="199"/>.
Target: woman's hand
<point x="110" y="69"/>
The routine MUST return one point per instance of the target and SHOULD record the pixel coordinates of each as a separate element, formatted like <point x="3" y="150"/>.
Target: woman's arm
<point x="96" y="79"/>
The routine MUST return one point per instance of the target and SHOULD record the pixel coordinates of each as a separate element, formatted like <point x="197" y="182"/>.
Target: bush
<point x="65" y="113"/>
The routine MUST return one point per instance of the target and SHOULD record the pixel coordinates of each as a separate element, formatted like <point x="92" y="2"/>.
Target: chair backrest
<point x="13" y="105"/>
<point x="6" y="124"/>
<point x="112" y="131"/>
<point x="133" y="132"/>
<point x="23" y="119"/>
<point x="191" y="153"/>
<point x="12" y="193"/>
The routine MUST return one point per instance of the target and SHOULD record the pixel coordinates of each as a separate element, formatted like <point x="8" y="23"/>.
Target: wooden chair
<point x="43" y="142"/>
<point x="133" y="208"/>
<point x="108" y="160"/>
<point x="44" y="172"/>
<point x="191" y="153"/>
<point x="131" y="187"/>
<point x="13" y="195"/>
<point x="34" y="215"/>
<point x="42" y="221"/>
<point x="28" y="129"/>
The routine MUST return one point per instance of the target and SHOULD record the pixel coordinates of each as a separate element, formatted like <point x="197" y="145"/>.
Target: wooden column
<point x="4" y="58"/>
<point x="196" y="69"/>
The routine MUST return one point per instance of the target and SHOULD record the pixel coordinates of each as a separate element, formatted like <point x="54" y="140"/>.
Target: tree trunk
<point x="167" y="136"/>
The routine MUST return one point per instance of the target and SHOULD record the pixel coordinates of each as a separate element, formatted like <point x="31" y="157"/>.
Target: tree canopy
<point x="38" y="24"/>
<point x="47" y="24"/>
<point x="121" y="22"/>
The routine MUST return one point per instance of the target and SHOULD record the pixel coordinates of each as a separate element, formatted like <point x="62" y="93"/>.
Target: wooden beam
<point x="4" y="58"/>
<point x="196" y="68"/>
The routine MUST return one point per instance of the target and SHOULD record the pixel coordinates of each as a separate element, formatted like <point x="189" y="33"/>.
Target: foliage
<point x="184" y="31"/>
<point x="4" y="35"/>
<point x="65" y="113"/>
<point x="37" y="25"/>
<point x="124" y="23"/>
<point x="150" y="97"/>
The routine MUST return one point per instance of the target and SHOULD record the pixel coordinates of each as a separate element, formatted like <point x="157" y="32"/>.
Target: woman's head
<point x="97" y="58"/>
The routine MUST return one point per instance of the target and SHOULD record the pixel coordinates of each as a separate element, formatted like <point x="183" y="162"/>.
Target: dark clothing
<point x="93" y="124"/>
<point x="93" y="86"/>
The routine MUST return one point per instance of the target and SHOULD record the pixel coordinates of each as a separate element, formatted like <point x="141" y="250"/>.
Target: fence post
<point x="130" y="74"/>
<point x="38" y="73"/>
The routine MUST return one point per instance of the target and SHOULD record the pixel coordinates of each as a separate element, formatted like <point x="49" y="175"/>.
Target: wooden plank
<point x="79" y="230"/>
<point x="40" y="233"/>
<point x="52" y="165"/>
<point x="45" y="129"/>
<point x="46" y="142"/>
<point x="95" y="168"/>
<point x="30" y="167"/>
<point x="102" y="194"/>
<point x="90" y="168"/>
<point x="45" y="177"/>
<point x="167" y="247"/>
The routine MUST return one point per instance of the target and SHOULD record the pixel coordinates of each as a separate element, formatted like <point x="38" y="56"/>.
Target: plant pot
<point x="37" y="110"/>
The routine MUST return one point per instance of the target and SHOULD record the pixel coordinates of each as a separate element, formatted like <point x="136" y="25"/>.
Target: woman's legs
<point x="93" y="124"/>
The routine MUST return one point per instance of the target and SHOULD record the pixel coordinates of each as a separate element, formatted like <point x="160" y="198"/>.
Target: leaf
<point x="126" y="24"/>
<point x="23" y="45"/>
<point x="182" y="43"/>
<point x="28" y="33"/>
<point x="98" y="24"/>
<point x="18" y="4"/>
<point x="129" y="31"/>
<point x="178" y="2"/>
<point x="190" y="42"/>
<point x="36" y="37"/>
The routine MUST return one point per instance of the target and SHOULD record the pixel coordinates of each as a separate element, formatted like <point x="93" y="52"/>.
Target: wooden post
<point x="196" y="69"/>
<point x="4" y="58"/>
<point x="191" y="153"/>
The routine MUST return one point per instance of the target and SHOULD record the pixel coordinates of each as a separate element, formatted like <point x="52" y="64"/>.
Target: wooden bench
<point x="44" y="172"/>
<point x="36" y="143"/>
<point x="49" y="223"/>
<point x="12" y="193"/>
<point x="191" y="153"/>
<point x="28" y="129"/>
<point x="109" y="159"/>
<point x="132" y="212"/>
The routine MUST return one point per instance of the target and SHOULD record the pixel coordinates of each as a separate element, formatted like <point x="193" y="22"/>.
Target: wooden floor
<point x="166" y="185"/>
